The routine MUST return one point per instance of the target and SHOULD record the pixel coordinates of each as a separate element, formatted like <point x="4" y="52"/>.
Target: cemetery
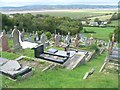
<point x="45" y="60"/>
<point x="65" y="57"/>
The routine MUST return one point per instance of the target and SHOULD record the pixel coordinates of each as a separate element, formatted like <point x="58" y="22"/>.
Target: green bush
<point x="100" y="45"/>
<point x="48" y="34"/>
<point x="39" y="33"/>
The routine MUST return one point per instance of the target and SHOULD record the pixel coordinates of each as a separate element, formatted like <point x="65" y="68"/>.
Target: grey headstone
<point x="43" y="39"/>
<point x="36" y="37"/>
<point x="57" y="39"/>
<point x="68" y="39"/>
<point x="16" y="38"/>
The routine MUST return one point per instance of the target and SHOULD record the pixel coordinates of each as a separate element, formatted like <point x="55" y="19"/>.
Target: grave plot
<point x="50" y="56"/>
<point x="113" y="63"/>
<point x="13" y="69"/>
<point x="34" y="64"/>
<point x="79" y="58"/>
<point x="70" y="59"/>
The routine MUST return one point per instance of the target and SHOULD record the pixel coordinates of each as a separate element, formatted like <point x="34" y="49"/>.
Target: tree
<point x="97" y="20"/>
<point x="6" y="22"/>
<point x="117" y="34"/>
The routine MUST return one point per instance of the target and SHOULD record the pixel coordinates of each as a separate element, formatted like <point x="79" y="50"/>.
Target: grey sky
<point x="54" y="2"/>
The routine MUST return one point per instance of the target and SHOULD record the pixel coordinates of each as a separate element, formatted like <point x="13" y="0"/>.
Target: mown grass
<point x="62" y="78"/>
<point x="101" y="33"/>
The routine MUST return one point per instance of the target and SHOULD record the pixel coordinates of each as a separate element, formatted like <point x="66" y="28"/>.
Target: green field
<point x="62" y="78"/>
<point x="101" y="33"/>
<point x="114" y="23"/>
<point x="102" y="18"/>
<point x="77" y="14"/>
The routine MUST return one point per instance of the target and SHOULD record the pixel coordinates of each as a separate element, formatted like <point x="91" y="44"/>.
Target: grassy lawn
<point x="101" y="33"/>
<point x="62" y="78"/>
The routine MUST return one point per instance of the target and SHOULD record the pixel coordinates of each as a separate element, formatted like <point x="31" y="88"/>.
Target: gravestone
<point x="82" y="37"/>
<point x="33" y="32"/>
<point x="113" y="39"/>
<point x="76" y="40"/>
<point x="36" y="37"/>
<point x="9" y="33"/>
<point x="30" y="39"/>
<point x="22" y="35"/>
<point x="68" y="39"/>
<point x="57" y="39"/>
<point x="16" y="38"/>
<point x="91" y="40"/>
<point x="43" y="40"/>
<point x="4" y="42"/>
<point x="63" y="38"/>
<point x="86" y="41"/>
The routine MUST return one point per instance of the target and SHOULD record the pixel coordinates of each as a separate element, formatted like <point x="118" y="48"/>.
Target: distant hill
<point x="53" y="7"/>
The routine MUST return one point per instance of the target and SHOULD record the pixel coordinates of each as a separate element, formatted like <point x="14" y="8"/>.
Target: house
<point x="93" y="24"/>
<point x="83" y="22"/>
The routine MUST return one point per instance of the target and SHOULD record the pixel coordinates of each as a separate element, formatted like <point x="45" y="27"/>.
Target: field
<point x="102" y="18"/>
<point x="101" y="33"/>
<point x="62" y="78"/>
<point x="114" y="23"/>
<point x="76" y="14"/>
<point x="73" y="13"/>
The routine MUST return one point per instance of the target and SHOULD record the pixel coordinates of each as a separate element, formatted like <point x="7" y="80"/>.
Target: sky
<point x="55" y="2"/>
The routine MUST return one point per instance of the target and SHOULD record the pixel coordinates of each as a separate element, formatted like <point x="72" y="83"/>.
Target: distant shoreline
<point x="56" y="10"/>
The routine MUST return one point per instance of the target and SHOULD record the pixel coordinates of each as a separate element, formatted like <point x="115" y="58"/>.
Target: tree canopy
<point x="40" y="22"/>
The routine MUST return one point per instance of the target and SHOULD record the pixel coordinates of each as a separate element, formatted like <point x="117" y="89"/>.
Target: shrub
<point x="48" y="34"/>
<point x="100" y="45"/>
<point x="39" y="33"/>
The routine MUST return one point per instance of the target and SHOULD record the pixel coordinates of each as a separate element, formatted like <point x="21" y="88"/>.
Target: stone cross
<point x="4" y="42"/>
<point x="16" y="38"/>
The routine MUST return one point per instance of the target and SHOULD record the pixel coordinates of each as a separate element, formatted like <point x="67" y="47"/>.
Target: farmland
<point x="76" y="14"/>
<point x="114" y="23"/>
<point x="73" y="13"/>
<point x="102" y="18"/>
